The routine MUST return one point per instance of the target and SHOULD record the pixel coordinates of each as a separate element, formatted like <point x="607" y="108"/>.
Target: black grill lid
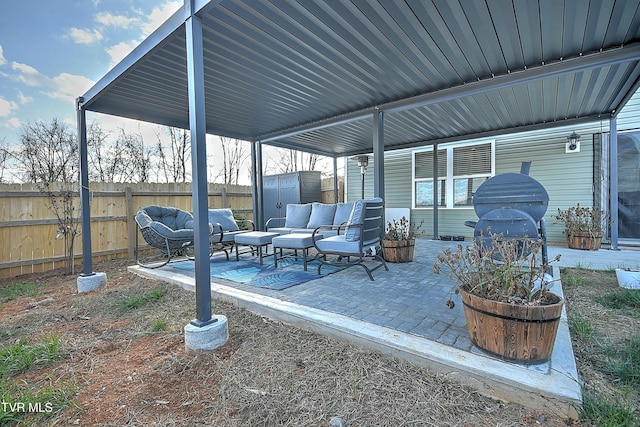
<point x="513" y="191"/>
<point x="510" y="224"/>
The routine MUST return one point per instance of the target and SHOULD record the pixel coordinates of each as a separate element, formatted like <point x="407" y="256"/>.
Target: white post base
<point x="208" y="337"/>
<point x="92" y="282"/>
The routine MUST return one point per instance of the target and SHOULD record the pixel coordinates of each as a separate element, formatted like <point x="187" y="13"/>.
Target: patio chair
<point x="166" y="228"/>
<point x="225" y="228"/>
<point x="360" y="240"/>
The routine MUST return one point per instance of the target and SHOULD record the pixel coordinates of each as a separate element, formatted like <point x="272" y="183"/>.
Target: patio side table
<point x="255" y="239"/>
<point x="295" y="241"/>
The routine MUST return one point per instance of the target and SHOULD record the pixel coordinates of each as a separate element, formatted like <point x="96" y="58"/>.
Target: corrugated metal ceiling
<point x="282" y="70"/>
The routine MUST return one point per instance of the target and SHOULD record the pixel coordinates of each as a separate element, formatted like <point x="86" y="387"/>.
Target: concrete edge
<point x="556" y="390"/>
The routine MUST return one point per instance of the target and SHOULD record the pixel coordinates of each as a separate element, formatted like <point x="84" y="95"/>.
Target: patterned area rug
<point x="247" y="270"/>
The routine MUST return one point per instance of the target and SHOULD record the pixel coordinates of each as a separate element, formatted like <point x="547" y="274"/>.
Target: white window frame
<point x="449" y="179"/>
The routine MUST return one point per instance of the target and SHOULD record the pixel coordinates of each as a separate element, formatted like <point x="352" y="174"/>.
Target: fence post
<point x="223" y="195"/>
<point x="131" y="224"/>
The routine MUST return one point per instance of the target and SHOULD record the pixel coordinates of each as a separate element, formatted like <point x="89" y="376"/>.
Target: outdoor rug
<point x="290" y="272"/>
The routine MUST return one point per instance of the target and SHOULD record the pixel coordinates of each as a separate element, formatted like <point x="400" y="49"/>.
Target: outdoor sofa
<point x="304" y="218"/>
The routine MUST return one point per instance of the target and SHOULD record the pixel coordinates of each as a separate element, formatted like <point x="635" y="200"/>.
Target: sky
<point x="53" y="51"/>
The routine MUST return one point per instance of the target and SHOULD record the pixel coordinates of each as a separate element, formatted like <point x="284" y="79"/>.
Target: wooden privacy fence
<point x="28" y="225"/>
<point x="29" y="240"/>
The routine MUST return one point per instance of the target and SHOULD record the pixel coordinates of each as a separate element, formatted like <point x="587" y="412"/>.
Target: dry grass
<point x="268" y="373"/>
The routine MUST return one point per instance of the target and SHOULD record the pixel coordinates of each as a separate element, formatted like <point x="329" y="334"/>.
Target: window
<point x="461" y="170"/>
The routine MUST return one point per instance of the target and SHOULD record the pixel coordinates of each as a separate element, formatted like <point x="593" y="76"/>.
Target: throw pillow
<point x="356" y="217"/>
<point x="298" y="216"/>
<point x="343" y="212"/>
<point x="321" y="214"/>
<point x="225" y="218"/>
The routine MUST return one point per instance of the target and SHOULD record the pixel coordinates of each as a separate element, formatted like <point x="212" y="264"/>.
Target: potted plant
<point x="399" y="241"/>
<point x="583" y="226"/>
<point x="510" y="312"/>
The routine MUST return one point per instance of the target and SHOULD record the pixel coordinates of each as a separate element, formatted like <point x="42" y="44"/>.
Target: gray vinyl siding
<point x="629" y="117"/>
<point x="567" y="177"/>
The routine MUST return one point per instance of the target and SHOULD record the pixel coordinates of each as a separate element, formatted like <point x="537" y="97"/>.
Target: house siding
<point x="567" y="177"/>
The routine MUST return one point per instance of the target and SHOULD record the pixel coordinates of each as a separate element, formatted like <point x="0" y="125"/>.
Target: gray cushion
<point x="338" y="244"/>
<point x="321" y="214"/>
<point x="343" y="211"/>
<point x="356" y="217"/>
<point x="225" y="218"/>
<point x="282" y="230"/>
<point x="229" y="236"/>
<point x="299" y="230"/>
<point x="298" y="216"/>
<point x="169" y="222"/>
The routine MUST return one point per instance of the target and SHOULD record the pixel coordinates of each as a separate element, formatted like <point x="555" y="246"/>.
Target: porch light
<point x="363" y="162"/>
<point x="574" y="142"/>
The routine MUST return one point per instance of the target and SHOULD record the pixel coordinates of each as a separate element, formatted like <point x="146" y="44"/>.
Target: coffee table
<point x="257" y="240"/>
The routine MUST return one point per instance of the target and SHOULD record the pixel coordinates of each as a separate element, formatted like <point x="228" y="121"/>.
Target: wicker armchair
<point x="166" y="228"/>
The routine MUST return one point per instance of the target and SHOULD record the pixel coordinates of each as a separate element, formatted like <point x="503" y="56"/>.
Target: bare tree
<point x="5" y="154"/>
<point x="234" y="156"/>
<point x="173" y="161"/>
<point x="48" y="154"/>
<point x="293" y="161"/>
<point x="136" y="157"/>
<point x="105" y="159"/>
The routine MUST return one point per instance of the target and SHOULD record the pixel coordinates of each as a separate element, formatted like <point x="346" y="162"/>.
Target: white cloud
<point x="159" y="15"/>
<point x="29" y="75"/>
<point x="68" y="87"/>
<point x="111" y="20"/>
<point x="85" y="36"/>
<point x="24" y="99"/>
<point x="2" y="60"/>
<point x="12" y="123"/>
<point x="148" y="24"/>
<point x="6" y="107"/>
<point x="64" y="86"/>
<point x="119" y="51"/>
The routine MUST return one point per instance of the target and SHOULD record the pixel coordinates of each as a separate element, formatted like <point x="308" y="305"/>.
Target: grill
<point x="511" y="204"/>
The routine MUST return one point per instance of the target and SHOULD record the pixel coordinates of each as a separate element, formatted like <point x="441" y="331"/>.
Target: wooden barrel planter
<point x="584" y="240"/>
<point x="515" y="333"/>
<point x="398" y="250"/>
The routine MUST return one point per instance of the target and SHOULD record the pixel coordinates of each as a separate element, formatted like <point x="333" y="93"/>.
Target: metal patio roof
<point x="309" y="75"/>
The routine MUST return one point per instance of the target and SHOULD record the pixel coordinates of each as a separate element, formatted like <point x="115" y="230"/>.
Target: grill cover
<point x="512" y="191"/>
<point x="513" y="224"/>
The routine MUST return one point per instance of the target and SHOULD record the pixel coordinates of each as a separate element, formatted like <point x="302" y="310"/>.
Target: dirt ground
<point x="131" y="368"/>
